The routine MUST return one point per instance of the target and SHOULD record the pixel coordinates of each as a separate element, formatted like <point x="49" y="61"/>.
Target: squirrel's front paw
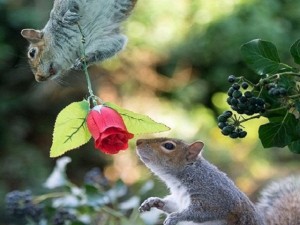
<point x="71" y="17"/>
<point x="150" y="203"/>
<point x="78" y="65"/>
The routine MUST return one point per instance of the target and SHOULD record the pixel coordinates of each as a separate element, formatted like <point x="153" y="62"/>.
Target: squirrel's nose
<point x="39" y="78"/>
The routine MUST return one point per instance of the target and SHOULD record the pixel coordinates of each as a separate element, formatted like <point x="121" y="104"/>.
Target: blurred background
<point x="174" y="69"/>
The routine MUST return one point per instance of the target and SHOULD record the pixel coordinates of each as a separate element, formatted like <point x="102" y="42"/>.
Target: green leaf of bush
<point x="280" y="132"/>
<point x="295" y="51"/>
<point x="261" y="56"/>
<point x="70" y="129"/>
<point x="295" y="147"/>
<point x="138" y="123"/>
<point x="274" y="135"/>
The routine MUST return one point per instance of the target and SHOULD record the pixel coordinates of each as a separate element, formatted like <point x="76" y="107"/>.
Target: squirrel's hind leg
<point x="72" y="15"/>
<point x="193" y="215"/>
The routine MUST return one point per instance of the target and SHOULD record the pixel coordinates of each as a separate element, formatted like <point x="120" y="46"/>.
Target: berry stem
<point x="112" y="212"/>
<point x="294" y="96"/>
<point x="260" y="91"/>
<point x="286" y="66"/>
<point x="250" y="118"/>
<point x="276" y="109"/>
<point x="288" y="73"/>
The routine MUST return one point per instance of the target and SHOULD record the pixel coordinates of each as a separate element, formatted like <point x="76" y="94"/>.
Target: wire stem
<point x="85" y="70"/>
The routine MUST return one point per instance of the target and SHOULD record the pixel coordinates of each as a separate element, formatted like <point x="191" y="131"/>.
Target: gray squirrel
<point x="202" y="194"/>
<point x="57" y="47"/>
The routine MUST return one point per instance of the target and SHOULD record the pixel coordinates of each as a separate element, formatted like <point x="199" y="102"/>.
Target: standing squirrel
<point x="201" y="194"/>
<point x="57" y="47"/>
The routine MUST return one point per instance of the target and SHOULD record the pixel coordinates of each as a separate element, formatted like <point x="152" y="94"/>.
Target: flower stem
<point x="87" y="76"/>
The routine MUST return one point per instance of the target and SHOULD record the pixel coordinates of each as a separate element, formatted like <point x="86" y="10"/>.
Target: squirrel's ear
<point x="194" y="150"/>
<point x="31" y="35"/>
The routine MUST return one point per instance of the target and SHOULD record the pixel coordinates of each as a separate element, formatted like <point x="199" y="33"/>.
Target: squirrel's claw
<point x="78" y="65"/>
<point x="150" y="203"/>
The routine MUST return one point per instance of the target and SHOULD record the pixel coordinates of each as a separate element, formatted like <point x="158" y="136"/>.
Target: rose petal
<point x="92" y="124"/>
<point x="113" y="140"/>
<point x="116" y="130"/>
<point x="108" y="129"/>
<point x="107" y="118"/>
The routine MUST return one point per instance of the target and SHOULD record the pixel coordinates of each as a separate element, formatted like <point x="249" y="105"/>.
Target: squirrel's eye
<point x="32" y="52"/>
<point x="169" y="145"/>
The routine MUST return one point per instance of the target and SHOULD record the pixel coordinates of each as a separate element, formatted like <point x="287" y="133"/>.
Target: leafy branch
<point x="273" y="96"/>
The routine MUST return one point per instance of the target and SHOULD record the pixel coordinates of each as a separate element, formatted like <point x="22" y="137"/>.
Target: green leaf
<point x="295" y="51"/>
<point x="94" y="197"/>
<point x="274" y="135"/>
<point x="278" y="133"/>
<point x="138" y="123"/>
<point x="70" y="129"/>
<point x="295" y="147"/>
<point x="297" y="105"/>
<point x="261" y="56"/>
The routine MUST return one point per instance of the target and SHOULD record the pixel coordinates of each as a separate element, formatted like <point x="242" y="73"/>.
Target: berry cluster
<point x="276" y="91"/>
<point x="62" y="216"/>
<point x="20" y="205"/>
<point x="243" y="102"/>
<point x="230" y="126"/>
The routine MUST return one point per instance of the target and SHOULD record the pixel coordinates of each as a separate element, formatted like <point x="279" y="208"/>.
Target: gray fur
<point x="200" y="193"/>
<point x="100" y="22"/>
<point x="280" y="202"/>
<point x="213" y="197"/>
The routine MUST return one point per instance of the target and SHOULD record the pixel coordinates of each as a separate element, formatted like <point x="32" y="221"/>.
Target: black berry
<point x="237" y="94"/>
<point x="227" y="114"/>
<point x="62" y="216"/>
<point x="245" y="85"/>
<point x="231" y="79"/>
<point x="236" y="86"/>
<point x="248" y="94"/>
<point x="242" y="134"/>
<point x="20" y="205"/>
<point x="234" y="135"/>
<point x="222" y="118"/>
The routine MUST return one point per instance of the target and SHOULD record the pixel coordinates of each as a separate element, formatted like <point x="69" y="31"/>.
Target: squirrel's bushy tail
<point x="279" y="203"/>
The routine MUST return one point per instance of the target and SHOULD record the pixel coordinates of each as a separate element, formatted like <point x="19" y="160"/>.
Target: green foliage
<point x="95" y="202"/>
<point x="295" y="51"/>
<point x="211" y="50"/>
<point x="137" y="123"/>
<point x="261" y="56"/>
<point x="279" y="93"/>
<point x="70" y="129"/>
<point x="280" y="133"/>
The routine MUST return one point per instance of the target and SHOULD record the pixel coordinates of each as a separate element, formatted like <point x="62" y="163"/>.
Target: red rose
<point x="108" y="129"/>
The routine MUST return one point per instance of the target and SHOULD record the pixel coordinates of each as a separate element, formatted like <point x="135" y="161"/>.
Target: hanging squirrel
<point x="201" y="194"/>
<point x="57" y="47"/>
